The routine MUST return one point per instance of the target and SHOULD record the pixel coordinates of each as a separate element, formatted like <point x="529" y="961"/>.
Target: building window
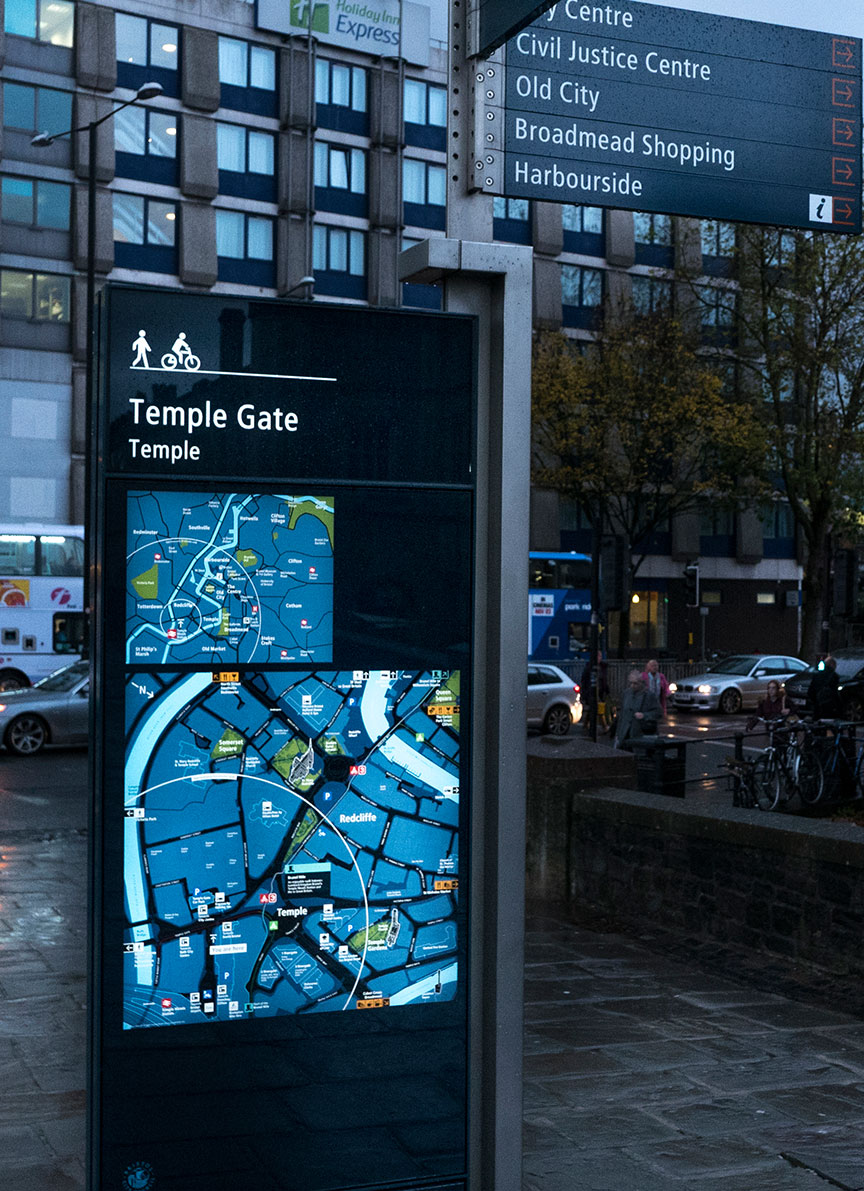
<point x="511" y="220"/>
<point x="244" y="246"/>
<point x="581" y="295"/>
<point x="247" y="73"/>
<point x="718" y="247"/>
<point x="425" y="114"/>
<point x="246" y="160"/>
<point x="653" y="239"/>
<point x="146" y="145"/>
<point x="583" y="229"/>
<point x="36" y="203"/>
<point x="35" y="109"/>
<point x="340" y="97"/>
<point x="144" y="233"/>
<point x="648" y="620"/>
<point x="51" y="21"/>
<point x="36" y="297"/>
<point x="711" y="599"/>
<point x="147" y="51"/>
<point x="778" y="530"/>
<point x="651" y="295"/>
<point x="718" y="313"/>
<point x="339" y="261"/>
<point x="340" y="179"/>
<point x="768" y="598"/>
<point x="424" y="193"/>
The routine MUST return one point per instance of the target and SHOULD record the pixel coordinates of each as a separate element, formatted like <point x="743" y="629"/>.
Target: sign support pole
<point x="493" y="282"/>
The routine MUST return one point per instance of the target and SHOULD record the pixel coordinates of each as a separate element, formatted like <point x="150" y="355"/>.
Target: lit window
<point x="36" y="203"/>
<point x="146" y="43"/>
<point x="51" y="21"/>
<point x="145" y="133"/>
<point x="38" y="297"/>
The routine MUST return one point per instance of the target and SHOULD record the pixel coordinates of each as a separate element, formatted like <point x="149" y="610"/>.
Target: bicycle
<point x="783" y="768"/>
<point x="841" y="760"/>
<point x="190" y="362"/>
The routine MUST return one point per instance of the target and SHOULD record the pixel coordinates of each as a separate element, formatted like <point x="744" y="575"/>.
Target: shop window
<point x="35" y="297"/>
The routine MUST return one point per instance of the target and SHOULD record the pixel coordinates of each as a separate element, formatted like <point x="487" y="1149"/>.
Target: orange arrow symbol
<point x="841" y="170"/>
<point x="843" y="131"/>
<point x="841" y="93"/>
<point x="843" y="52"/>
<point x="842" y="211"/>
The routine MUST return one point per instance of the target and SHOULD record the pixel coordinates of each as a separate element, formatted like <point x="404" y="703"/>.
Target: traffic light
<point x="691" y="584"/>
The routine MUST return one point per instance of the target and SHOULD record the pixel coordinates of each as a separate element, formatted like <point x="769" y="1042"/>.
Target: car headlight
<point x="705" y="689"/>
<point x="2" y="707"/>
<point x="673" y="687"/>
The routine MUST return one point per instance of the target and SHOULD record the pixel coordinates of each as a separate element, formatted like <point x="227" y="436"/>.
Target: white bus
<point x="41" y="600"/>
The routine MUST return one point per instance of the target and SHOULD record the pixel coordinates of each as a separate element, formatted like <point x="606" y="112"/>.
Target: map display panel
<point x="222" y="579"/>
<point x="290" y="843"/>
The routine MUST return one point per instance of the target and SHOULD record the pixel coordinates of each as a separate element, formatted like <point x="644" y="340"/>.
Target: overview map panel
<point x="291" y="843"/>
<point x="228" y="578"/>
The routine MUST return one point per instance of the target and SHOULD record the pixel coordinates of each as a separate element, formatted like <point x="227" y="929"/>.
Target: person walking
<point x="638" y="714"/>
<point x="823" y="693"/>
<point x="657" y="683"/>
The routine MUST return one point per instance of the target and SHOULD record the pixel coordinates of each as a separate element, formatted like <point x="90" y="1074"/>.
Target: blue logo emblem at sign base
<point x="138" y="1177"/>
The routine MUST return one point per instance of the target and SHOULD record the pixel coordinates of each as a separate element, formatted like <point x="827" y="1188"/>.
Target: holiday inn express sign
<point x="659" y="109"/>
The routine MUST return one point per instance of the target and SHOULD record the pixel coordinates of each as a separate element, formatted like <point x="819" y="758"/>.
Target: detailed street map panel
<point x="291" y="843"/>
<point x="216" y="579"/>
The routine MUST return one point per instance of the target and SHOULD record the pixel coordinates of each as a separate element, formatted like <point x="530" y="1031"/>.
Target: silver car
<point x="52" y="711"/>
<point x="554" y="702"/>
<point x="735" y="684"/>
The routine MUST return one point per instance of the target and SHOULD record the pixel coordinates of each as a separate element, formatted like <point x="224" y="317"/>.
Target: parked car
<point x="52" y="711"/>
<point x="850" y="675"/>
<point x="554" y="702"/>
<point x="734" y="684"/>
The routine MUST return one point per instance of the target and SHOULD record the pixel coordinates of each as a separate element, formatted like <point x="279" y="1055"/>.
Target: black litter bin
<point x="661" y="765"/>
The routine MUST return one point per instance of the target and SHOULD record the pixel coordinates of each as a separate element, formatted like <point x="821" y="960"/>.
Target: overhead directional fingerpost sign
<point x="667" y="110"/>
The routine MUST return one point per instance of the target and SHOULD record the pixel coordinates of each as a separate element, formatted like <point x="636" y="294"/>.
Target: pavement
<point x="644" y="1070"/>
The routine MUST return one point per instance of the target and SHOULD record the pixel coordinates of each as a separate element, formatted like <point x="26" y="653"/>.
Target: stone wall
<point x="779" y="885"/>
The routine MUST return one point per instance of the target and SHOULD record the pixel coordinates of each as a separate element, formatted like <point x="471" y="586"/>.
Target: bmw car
<point x="53" y="711"/>
<point x="735" y="684"/>
<point x="554" y="702"/>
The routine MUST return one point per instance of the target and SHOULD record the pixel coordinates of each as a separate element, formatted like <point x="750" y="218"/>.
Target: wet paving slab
<point x="643" y="1072"/>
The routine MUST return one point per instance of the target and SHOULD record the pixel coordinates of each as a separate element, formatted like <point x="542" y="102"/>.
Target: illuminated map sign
<point x="284" y="706"/>
<point x="291" y="843"/>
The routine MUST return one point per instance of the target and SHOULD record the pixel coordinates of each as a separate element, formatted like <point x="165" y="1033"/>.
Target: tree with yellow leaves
<point x="637" y="429"/>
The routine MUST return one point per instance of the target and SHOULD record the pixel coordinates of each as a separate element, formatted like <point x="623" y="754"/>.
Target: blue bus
<point x="559" y="606"/>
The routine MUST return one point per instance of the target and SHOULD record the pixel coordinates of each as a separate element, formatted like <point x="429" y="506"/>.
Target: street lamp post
<point x="41" y="141"/>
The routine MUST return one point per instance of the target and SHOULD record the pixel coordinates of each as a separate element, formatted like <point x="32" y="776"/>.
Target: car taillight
<point x="576" y="688"/>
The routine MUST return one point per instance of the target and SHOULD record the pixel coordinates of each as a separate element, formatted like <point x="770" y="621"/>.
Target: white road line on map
<point x="212" y="372"/>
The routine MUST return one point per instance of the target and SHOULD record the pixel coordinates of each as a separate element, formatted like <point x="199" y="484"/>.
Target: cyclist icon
<point x="181" y="353"/>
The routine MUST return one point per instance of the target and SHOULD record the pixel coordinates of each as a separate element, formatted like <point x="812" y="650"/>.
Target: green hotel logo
<point x="309" y="14"/>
